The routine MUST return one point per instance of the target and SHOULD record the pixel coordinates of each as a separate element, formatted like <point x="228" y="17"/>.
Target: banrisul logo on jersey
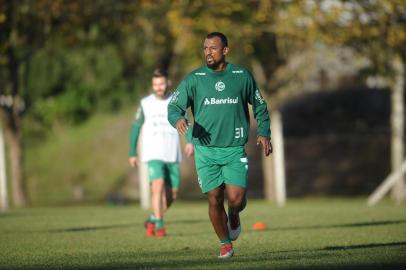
<point x="220" y="86"/>
<point x="218" y="101"/>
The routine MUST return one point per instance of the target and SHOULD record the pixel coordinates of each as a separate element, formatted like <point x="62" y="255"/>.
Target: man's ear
<point x="225" y="50"/>
<point x="169" y="82"/>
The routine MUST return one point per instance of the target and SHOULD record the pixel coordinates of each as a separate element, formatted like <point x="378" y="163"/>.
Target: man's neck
<point x="221" y="66"/>
<point x="162" y="97"/>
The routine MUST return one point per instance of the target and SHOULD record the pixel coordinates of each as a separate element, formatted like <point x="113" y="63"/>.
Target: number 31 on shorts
<point x="239" y="133"/>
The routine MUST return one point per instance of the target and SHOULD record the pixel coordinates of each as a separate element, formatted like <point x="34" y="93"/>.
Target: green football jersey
<point x="219" y="103"/>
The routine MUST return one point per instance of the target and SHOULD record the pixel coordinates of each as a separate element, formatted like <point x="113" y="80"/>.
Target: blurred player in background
<point x="160" y="149"/>
<point x="218" y="94"/>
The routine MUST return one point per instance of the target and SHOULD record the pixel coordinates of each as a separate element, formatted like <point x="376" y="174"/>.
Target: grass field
<point x="306" y="234"/>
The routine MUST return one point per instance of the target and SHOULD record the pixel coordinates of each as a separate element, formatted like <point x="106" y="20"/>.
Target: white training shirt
<point x="160" y="141"/>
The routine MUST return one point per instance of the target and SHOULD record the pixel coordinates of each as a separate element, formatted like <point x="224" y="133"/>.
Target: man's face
<point x="214" y="52"/>
<point x="160" y="86"/>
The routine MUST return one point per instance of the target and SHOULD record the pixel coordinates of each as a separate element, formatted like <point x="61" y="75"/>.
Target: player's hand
<point x="182" y="126"/>
<point x="189" y="150"/>
<point x="174" y="194"/>
<point x="266" y="144"/>
<point x="134" y="161"/>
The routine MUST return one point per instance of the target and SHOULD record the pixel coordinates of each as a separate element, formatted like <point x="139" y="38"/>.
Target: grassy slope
<point x="93" y="155"/>
<point x="307" y="234"/>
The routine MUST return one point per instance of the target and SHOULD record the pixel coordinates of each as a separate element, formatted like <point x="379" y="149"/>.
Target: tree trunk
<point x="13" y="130"/>
<point x="397" y="123"/>
<point x="12" y="113"/>
<point x="3" y="178"/>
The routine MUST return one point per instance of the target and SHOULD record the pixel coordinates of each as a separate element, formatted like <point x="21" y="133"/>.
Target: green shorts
<point x="218" y="165"/>
<point x="169" y="171"/>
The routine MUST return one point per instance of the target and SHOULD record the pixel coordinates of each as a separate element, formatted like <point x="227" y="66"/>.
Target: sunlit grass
<point x="306" y="234"/>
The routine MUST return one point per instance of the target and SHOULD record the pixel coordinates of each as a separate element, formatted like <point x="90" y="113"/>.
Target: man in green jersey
<point x="218" y="95"/>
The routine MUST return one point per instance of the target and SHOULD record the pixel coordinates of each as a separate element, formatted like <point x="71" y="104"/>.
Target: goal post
<point x="387" y="184"/>
<point x="274" y="166"/>
<point x="279" y="158"/>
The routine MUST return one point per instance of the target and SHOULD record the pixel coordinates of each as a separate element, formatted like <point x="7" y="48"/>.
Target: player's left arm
<point x="261" y="114"/>
<point x="134" y="135"/>
<point x="266" y="144"/>
<point x="189" y="148"/>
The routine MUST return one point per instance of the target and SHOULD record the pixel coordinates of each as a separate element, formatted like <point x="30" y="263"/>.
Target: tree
<point x="19" y="41"/>
<point x="374" y="28"/>
<point x="81" y="52"/>
<point x="26" y="27"/>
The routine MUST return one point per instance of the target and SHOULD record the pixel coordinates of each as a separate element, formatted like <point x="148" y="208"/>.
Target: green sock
<point x="226" y="241"/>
<point x="151" y="218"/>
<point x="159" y="223"/>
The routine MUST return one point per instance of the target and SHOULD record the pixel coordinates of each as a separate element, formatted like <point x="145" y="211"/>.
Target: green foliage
<point x="69" y="85"/>
<point x="81" y="56"/>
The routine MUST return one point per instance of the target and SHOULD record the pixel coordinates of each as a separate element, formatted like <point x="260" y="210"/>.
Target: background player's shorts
<point x="169" y="171"/>
<point x="218" y="165"/>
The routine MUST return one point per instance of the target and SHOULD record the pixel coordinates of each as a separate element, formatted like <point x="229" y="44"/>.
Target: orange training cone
<point x="259" y="226"/>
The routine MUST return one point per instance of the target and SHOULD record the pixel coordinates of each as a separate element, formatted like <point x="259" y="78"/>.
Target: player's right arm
<point x="134" y="135"/>
<point x="180" y="101"/>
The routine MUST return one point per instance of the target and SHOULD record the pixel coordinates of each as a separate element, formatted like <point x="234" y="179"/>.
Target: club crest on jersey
<point x="220" y="86"/>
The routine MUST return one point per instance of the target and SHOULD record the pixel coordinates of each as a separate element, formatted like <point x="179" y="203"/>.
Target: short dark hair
<point x="160" y="72"/>
<point x="220" y="35"/>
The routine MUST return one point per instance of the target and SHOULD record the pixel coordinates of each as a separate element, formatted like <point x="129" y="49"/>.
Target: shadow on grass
<point x="393" y="244"/>
<point x="94" y="228"/>
<point x="348" y="247"/>
<point x="348" y="225"/>
<point x="116" y="226"/>
<point x="14" y="214"/>
<point x="11" y="215"/>
<point x="188" y="221"/>
<point x="185" y="258"/>
<point x="200" y="233"/>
